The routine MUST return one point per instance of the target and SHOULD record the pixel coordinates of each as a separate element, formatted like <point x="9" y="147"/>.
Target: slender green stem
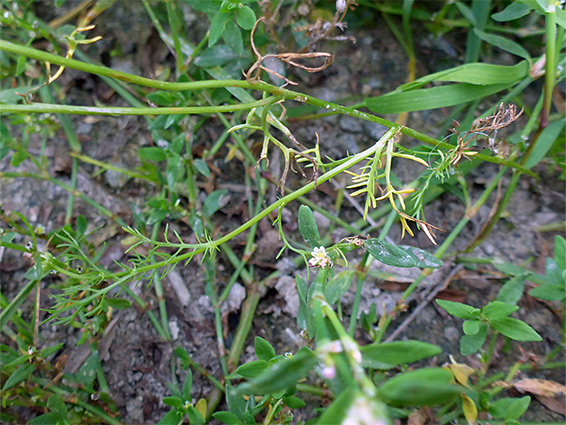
<point x="142" y="304"/>
<point x="179" y="61"/>
<point x="254" y="85"/>
<point x="89" y="110"/>
<point x="159" y="289"/>
<point x="550" y="65"/>
<point x="107" y="166"/>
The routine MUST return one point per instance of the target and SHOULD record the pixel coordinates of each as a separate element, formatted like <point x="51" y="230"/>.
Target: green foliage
<point x="181" y="165"/>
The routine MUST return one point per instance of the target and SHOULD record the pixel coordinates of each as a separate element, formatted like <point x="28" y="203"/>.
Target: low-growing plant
<point x="384" y="382"/>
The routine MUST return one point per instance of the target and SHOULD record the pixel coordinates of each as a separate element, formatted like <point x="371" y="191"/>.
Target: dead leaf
<point x="540" y="387"/>
<point x="470" y="409"/>
<point x="461" y="371"/>
<point x="556" y="404"/>
<point x="418" y="417"/>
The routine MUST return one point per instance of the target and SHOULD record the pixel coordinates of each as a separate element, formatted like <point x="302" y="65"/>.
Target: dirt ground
<point x="136" y="362"/>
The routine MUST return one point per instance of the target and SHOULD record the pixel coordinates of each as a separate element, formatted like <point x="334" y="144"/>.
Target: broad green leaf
<point x="217" y="26"/>
<point x="550" y="292"/>
<point x="553" y="273"/>
<point x="205" y="6"/>
<point x="462" y="311"/>
<point x="188" y="386"/>
<point x="470" y="344"/>
<point x="497" y="310"/>
<point x="245" y="17"/>
<point x="163" y="98"/>
<point x="427" y="386"/>
<point x="515" y="329"/>
<point x="233" y="37"/>
<point x="545" y="141"/>
<point x="293" y="402"/>
<point x="195" y="418"/>
<point x="425" y="258"/>
<point x="213" y="202"/>
<point x="47" y="418"/>
<point x="20" y="374"/>
<point x="308" y="227"/>
<point x="513" y="11"/>
<point x="174" y="417"/>
<point x="227" y="418"/>
<point x="182" y="354"/>
<point x="387" y="355"/>
<point x="560" y="252"/>
<point x="46" y="352"/>
<point x="118" y="303"/>
<point x="509" y="408"/>
<point x="263" y="349"/>
<point x="390" y="254"/>
<point x="152" y="154"/>
<point x="202" y="167"/>
<point x="503" y="43"/>
<point x="338" y="286"/>
<point x="175" y="402"/>
<point x="87" y="373"/>
<point x="10" y="96"/>
<point x="253" y="368"/>
<point x="215" y="56"/>
<point x="512" y="291"/>
<point x="517" y="408"/>
<point x="471" y="327"/>
<point x="436" y="97"/>
<point x="281" y="375"/>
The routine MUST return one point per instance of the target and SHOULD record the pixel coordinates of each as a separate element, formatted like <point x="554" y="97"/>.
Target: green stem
<point x="179" y="62"/>
<point x="261" y="86"/>
<point x="550" y="65"/>
<point x="88" y="110"/>
<point x="142" y="304"/>
<point x="159" y="289"/>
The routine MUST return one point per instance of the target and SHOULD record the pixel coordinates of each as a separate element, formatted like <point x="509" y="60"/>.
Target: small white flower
<point x="328" y="372"/>
<point x="319" y="258"/>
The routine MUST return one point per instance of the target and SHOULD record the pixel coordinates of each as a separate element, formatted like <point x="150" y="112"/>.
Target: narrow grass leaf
<point x="503" y="43"/>
<point x="515" y="329"/>
<point x="545" y="141"/>
<point x="436" y="97"/>
<point x="19" y="375"/>
<point x="281" y="375"/>
<point x="391" y="354"/>
<point x="427" y="386"/>
<point x="512" y="290"/>
<point x="459" y="310"/>
<point x="474" y="73"/>
<point x="513" y="11"/>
